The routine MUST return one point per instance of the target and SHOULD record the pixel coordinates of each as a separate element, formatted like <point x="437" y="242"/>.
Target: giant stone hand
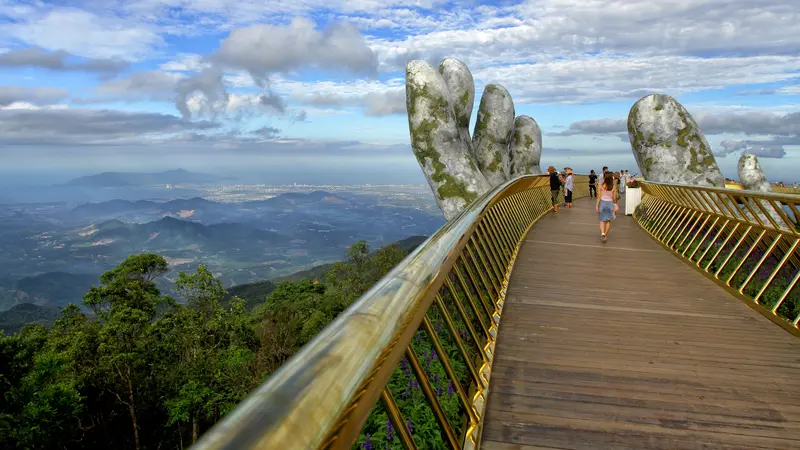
<point x="751" y="175"/>
<point x="668" y="145"/>
<point x="460" y="168"/>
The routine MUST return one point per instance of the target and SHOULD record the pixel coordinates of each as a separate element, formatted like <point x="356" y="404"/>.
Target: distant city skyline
<point x="102" y="85"/>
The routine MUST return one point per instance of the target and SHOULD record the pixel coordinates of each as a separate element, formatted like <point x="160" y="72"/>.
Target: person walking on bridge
<point x="555" y="186"/>
<point x="607" y="205"/>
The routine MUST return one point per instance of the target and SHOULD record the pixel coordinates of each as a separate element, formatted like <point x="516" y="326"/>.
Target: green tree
<point x="126" y="302"/>
<point x="204" y="342"/>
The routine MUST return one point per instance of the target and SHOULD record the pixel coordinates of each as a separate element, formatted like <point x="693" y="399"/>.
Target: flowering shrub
<point x="379" y="432"/>
<point x="633" y="183"/>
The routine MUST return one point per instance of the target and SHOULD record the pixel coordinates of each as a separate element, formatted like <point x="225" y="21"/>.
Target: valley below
<point x="51" y="253"/>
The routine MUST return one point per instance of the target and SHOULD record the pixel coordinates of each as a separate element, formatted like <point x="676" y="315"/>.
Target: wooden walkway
<point x="623" y="346"/>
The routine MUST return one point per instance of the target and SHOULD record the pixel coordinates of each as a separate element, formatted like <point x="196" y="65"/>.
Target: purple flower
<point x="367" y="445"/>
<point x="428" y="358"/>
<point x="439" y="391"/>
<point x="404" y="367"/>
<point x="409" y="425"/>
<point x="438" y="327"/>
<point x="435" y="378"/>
<point x="418" y="337"/>
<point x="433" y="352"/>
<point x="450" y="389"/>
<point x="389" y="430"/>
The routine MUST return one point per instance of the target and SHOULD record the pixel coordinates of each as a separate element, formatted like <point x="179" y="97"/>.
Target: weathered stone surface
<point x="668" y="145"/>
<point x="462" y="92"/>
<point x="439" y="106"/>
<point x="751" y="175"/>
<point x="493" y="132"/>
<point x="444" y="156"/>
<point x="526" y="147"/>
<point x="753" y="179"/>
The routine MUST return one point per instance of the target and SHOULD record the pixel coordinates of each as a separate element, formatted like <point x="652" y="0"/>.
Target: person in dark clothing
<point x="592" y="184"/>
<point x="555" y="186"/>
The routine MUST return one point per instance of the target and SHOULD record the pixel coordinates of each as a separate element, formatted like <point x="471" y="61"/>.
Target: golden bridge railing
<point x="746" y="241"/>
<point x="417" y="347"/>
<point x="786" y="190"/>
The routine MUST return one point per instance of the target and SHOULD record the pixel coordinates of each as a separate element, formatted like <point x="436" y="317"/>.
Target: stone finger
<point x="462" y="92"/>
<point x="526" y="147"/>
<point x="446" y="161"/>
<point x="493" y="132"/>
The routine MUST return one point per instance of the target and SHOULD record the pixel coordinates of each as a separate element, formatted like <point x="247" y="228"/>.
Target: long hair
<point x="608" y="181"/>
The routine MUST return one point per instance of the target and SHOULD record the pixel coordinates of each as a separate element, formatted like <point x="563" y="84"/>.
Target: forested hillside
<point x="149" y="371"/>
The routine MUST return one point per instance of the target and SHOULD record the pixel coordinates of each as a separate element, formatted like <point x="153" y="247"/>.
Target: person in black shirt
<point x="592" y="184"/>
<point x="555" y="186"/>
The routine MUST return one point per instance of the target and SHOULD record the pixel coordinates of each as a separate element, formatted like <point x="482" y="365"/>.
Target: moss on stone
<point x="439" y="103"/>
<point x="497" y="160"/>
<point x="659" y="107"/>
<point x="482" y="123"/>
<point x="465" y="99"/>
<point x="648" y="164"/>
<point x="528" y="141"/>
<point x="699" y="155"/>
<point x="452" y="188"/>
<point x="490" y="89"/>
<point x="425" y="151"/>
<point x="637" y="135"/>
<point x="424" y="148"/>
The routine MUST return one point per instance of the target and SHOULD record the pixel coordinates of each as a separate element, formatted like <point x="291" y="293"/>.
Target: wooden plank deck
<point x="623" y="346"/>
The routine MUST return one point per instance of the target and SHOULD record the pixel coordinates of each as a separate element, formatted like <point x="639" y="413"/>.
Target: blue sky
<point x="262" y="85"/>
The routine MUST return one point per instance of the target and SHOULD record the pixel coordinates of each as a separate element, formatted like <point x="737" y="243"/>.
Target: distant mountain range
<point x="129" y="179"/>
<point x="43" y="245"/>
<point x="39" y="299"/>
<point x="171" y="233"/>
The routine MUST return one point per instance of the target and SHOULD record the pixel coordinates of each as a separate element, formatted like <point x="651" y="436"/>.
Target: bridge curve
<point x="514" y="328"/>
<point x="622" y="345"/>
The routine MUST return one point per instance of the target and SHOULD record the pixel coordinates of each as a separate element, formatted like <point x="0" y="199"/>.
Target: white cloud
<point x="10" y="95"/>
<point x="186" y="62"/>
<point x="263" y="50"/>
<point x="602" y="78"/>
<point x="151" y="84"/>
<point x="85" y="34"/>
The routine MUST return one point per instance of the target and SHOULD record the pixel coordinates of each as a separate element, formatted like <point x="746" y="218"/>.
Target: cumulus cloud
<point x="61" y="127"/>
<point x="33" y="95"/>
<point x="381" y="103"/>
<point x="149" y="84"/>
<point x="781" y="130"/>
<point x="100" y="34"/>
<point x="596" y="126"/>
<point x="758" y="148"/>
<point x="554" y="27"/>
<point x="267" y="132"/>
<point x="59" y="61"/>
<point x="750" y="123"/>
<point x="263" y="50"/>
<point x="598" y="78"/>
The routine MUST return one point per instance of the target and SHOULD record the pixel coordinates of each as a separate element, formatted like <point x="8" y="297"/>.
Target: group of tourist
<point x="607" y="193"/>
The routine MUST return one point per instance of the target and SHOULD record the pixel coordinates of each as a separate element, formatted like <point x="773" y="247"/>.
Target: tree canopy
<point x="150" y="371"/>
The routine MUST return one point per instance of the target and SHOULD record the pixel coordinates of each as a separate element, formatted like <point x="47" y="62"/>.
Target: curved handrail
<point x="321" y="397"/>
<point x="746" y="241"/>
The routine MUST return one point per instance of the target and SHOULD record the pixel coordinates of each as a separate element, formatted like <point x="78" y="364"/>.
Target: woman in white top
<point x="569" y="186"/>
